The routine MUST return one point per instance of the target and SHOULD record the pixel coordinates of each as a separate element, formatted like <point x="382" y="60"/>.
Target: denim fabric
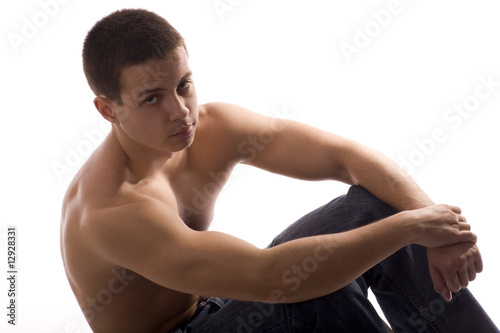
<point x="401" y="284"/>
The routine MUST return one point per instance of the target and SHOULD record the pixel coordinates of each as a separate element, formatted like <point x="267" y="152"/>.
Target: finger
<point x="465" y="236"/>
<point x="475" y="261"/>
<point x="455" y="209"/>
<point x="447" y="295"/>
<point x="464" y="226"/>
<point x="461" y="218"/>
<point x="463" y="273"/>
<point x="472" y="272"/>
<point x="453" y="283"/>
<point x="439" y="283"/>
<point x="478" y="263"/>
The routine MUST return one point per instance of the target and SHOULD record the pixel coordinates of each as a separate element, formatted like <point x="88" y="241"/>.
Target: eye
<point x="185" y="84"/>
<point x="151" y="99"/>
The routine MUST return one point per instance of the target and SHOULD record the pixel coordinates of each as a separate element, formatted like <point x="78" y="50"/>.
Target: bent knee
<point x="361" y="201"/>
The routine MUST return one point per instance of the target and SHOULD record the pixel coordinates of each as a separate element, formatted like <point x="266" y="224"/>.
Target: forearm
<point x="390" y="183"/>
<point x="316" y="266"/>
<point x="384" y="179"/>
<point x="218" y="264"/>
<point x="294" y="271"/>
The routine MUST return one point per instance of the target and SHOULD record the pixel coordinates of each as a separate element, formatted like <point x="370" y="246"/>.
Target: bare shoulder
<point x="230" y="113"/>
<point x="236" y="130"/>
<point x="130" y="231"/>
<point x="107" y="216"/>
<point x="121" y="233"/>
<point x="223" y="123"/>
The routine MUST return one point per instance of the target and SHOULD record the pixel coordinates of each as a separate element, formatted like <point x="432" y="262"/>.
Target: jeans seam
<point x="409" y="295"/>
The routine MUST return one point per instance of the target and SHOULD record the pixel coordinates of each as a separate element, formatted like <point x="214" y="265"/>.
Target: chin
<point x="183" y="144"/>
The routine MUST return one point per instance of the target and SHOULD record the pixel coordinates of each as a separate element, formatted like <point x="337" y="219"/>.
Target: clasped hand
<point x="454" y="258"/>
<point x="452" y="267"/>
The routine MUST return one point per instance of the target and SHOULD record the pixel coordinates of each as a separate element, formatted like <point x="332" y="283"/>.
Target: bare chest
<point x="193" y="197"/>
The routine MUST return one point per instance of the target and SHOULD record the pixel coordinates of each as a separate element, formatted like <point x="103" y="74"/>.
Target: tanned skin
<point x="134" y="238"/>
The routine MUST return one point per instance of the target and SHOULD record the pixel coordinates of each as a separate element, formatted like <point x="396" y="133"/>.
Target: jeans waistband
<point x="205" y="307"/>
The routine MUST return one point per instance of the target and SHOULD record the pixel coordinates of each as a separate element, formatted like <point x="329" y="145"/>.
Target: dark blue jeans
<point x="401" y="284"/>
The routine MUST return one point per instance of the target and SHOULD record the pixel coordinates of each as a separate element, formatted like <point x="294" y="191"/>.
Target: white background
<point x="274" y="57"/>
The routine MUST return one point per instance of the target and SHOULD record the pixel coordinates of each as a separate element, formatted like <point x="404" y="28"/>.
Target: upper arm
<point x="150" y="239"/>
<point x="284" y="146"/>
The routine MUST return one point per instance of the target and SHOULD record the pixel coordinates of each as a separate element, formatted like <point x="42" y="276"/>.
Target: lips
<point x="183" y="133"/>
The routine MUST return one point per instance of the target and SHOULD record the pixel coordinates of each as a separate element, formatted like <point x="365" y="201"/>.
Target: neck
<point x="142" y="161"/>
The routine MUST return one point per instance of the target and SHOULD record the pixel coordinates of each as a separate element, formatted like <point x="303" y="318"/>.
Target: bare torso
<point x="113" y="298"/>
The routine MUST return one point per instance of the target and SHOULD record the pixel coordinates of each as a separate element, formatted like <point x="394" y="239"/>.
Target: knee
<point x="362" y="202"/>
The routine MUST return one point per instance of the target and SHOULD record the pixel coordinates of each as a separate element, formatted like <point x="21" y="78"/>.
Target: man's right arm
<point x="148" y="237"/>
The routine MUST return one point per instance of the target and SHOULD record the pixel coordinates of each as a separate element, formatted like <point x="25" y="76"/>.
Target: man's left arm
<point x="305" y="152"/>
<point x="300" y="151"/>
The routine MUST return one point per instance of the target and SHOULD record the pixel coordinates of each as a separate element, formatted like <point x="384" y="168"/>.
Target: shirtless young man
<point x="135" y="244"/>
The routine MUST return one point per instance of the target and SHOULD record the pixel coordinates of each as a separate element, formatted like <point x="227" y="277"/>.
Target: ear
<point x="106" y="108"/>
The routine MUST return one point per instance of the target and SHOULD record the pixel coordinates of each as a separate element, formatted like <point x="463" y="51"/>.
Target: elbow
<point x="274" y="292"/>
<point x="298" y="282"/>
<point x="270" y="279"/>
<point x="288" y="287"/>
<point x="278" y="284"/>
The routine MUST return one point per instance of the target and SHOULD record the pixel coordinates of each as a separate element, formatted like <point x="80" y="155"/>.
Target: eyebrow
<point x="148" y="91"/>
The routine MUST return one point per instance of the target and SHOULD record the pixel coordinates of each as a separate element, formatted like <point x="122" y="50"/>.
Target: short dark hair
<point x="124" y="38"/>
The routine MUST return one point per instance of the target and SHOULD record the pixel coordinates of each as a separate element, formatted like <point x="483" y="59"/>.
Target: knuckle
<point x="461" y="261"/>
<point x="450" y="268"/>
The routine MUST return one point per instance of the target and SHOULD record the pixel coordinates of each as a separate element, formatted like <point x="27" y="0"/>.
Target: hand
<point x="441" y="225"/>
<point x="452" y="267"/>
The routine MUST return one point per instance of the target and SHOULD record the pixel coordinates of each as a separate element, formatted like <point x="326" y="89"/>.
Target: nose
<point x="177" y="109"/>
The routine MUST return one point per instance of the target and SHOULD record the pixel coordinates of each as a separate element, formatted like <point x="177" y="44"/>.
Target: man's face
<point x="160" y="106"/>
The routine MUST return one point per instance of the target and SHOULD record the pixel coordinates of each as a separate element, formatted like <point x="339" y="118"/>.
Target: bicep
<point x="301" y="151"/>
<point x="151" y="240"/>
<point x="284" y="146"/>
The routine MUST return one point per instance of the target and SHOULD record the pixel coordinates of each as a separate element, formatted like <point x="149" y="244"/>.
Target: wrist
<point x="408" y="221"/>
